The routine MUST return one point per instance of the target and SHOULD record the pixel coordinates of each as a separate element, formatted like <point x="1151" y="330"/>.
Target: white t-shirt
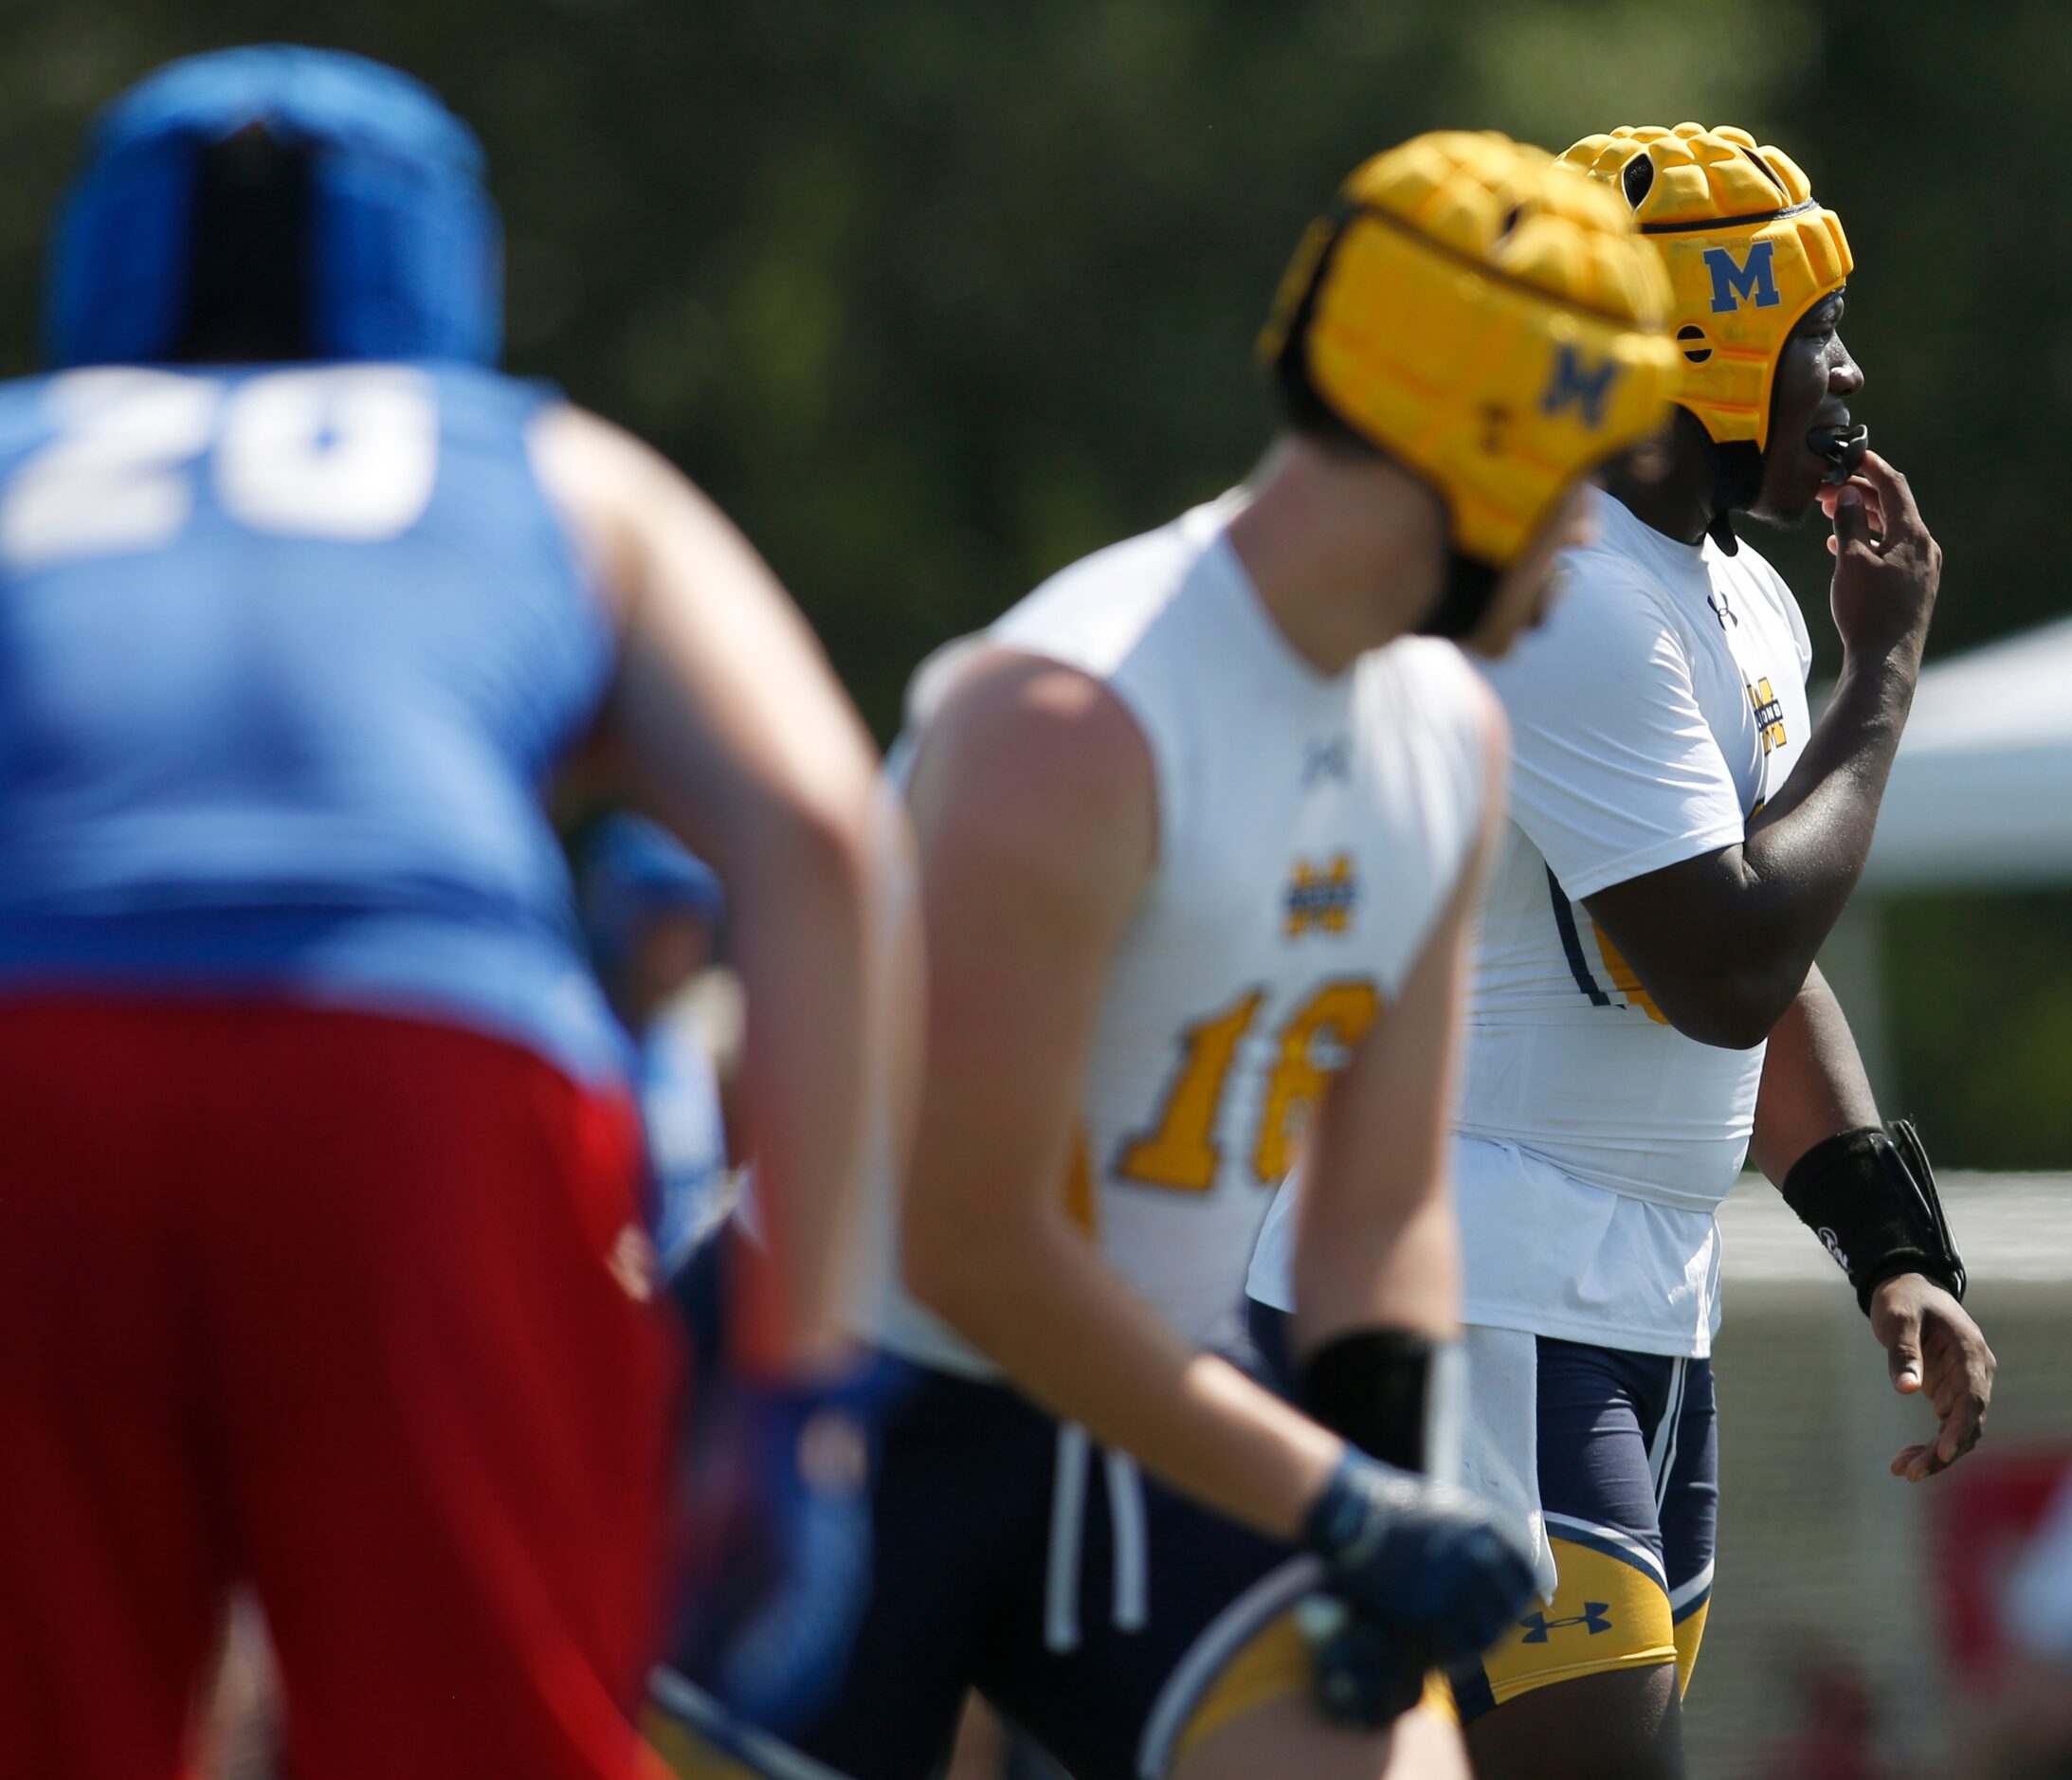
<point x="1651" y="716"/>
<point x="1311" y="829"/>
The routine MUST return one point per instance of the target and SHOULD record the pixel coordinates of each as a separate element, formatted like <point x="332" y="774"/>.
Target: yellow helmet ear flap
<point x="1486" y="321"/>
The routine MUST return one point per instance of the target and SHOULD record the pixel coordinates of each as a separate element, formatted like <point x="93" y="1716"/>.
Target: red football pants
<point x="346" y="1307"/>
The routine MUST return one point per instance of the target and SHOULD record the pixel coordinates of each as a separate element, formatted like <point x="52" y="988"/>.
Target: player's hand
<point x="1887" y="566"/>
<point x="776" y="1510"/>
<point x="1933" y="1347"/>
<point x="1364" y="1677"/>
<point x="1429" y="1575"/>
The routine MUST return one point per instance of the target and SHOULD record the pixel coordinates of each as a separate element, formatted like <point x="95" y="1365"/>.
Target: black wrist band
<point x="1374" y="1386"/>
<point x="1870" y="1197"/>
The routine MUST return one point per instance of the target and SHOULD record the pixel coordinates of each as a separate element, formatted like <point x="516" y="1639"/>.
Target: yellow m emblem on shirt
<point x="1321" y="901"/>
<point x="1769" y="710"/>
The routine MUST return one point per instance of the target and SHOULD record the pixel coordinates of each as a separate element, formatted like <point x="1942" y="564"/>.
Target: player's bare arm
<point x="1377" y="1242"/>
<point x="1035" y="806"/>
<point x="1813" y="1080"/>
<point x="1725" y="940"/>
<point x="1813" y="1090"/>
<point x="730" y="717"/>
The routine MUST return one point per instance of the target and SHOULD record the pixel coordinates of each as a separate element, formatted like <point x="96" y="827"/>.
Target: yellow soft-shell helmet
<point x="1488" y="320"/>
<point x="1748" y="251"/>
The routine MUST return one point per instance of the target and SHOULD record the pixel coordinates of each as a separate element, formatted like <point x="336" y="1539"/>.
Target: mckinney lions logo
<point x="1573" y="385"/>
<point x="1321" y="901"/>
<point x="1738" y="281"/>
<point x="1769" y="710"/>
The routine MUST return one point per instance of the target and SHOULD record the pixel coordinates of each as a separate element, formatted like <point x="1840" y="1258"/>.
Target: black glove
<point x="1428" y="1577"/>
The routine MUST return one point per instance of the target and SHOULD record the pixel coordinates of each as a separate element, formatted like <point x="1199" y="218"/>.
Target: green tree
<point x="936" y="296"/>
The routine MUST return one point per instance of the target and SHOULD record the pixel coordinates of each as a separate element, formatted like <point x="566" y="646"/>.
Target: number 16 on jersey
<point x="1182" y="1152"/>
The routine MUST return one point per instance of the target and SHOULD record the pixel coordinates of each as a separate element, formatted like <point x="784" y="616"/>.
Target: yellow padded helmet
<point x="1486" y="320"/>
<point x="1746" y="248"/>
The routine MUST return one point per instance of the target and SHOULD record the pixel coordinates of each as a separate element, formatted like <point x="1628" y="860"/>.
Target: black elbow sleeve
<point x="1394" y="1393"/>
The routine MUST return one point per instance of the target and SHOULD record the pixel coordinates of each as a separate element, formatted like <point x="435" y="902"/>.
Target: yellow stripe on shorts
<point x="1690" y="1634"/>
<point x="1276" y="1666"/>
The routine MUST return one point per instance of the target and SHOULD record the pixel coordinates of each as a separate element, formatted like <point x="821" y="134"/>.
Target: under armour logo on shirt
<point x="1331" y="759"/>
<point x="1721" y="611"/>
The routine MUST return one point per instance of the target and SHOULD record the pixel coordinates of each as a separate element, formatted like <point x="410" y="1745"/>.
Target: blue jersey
<point x="284" y="656"/>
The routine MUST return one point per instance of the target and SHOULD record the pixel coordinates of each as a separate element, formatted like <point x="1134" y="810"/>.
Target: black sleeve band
<point x="1871" y="1198"/>
<point x="1374" y="1386"/>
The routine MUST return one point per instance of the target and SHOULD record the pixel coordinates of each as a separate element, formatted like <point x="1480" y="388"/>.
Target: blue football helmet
<point x="631" y="870"/>
<point x="403" y="255"/>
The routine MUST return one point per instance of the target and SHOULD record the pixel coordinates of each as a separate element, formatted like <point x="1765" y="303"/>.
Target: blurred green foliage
<point x="1979" y="998"/>
<point x="936" y="295"/>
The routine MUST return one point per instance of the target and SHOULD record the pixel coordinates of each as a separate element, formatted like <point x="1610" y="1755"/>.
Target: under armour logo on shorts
<point x="1595" y="1617"/>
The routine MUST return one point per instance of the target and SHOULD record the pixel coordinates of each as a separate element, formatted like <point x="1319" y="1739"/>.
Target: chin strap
<point x="1464" y="600"/>
<point x="1737" y="481"/>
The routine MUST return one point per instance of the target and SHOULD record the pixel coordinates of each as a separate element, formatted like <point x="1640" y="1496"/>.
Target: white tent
<point x="1981" y="793"/>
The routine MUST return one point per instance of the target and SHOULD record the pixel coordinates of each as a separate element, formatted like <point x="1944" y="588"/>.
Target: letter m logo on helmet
<point x="1573" y="385"/>
<point x="1735" y="282"/>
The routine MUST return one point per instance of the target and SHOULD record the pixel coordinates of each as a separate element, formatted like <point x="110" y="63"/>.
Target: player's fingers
<point x="1895" y="497"/>
<point x="1960" y="1375"/>
<point x="1979" y="1368"/>
<point x="1928" y="1460"/>
<point x="1959" y="1433"/>
<point x="1903" y="1353"/>
<point x="1965" y="1425"/>
<point x="1873" y="508"/>
<point x="1851" y="525"/>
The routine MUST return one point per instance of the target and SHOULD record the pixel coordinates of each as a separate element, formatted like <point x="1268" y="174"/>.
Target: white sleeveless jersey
<point x="1651" y="716"/>
<point x="1311" y="831"/>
